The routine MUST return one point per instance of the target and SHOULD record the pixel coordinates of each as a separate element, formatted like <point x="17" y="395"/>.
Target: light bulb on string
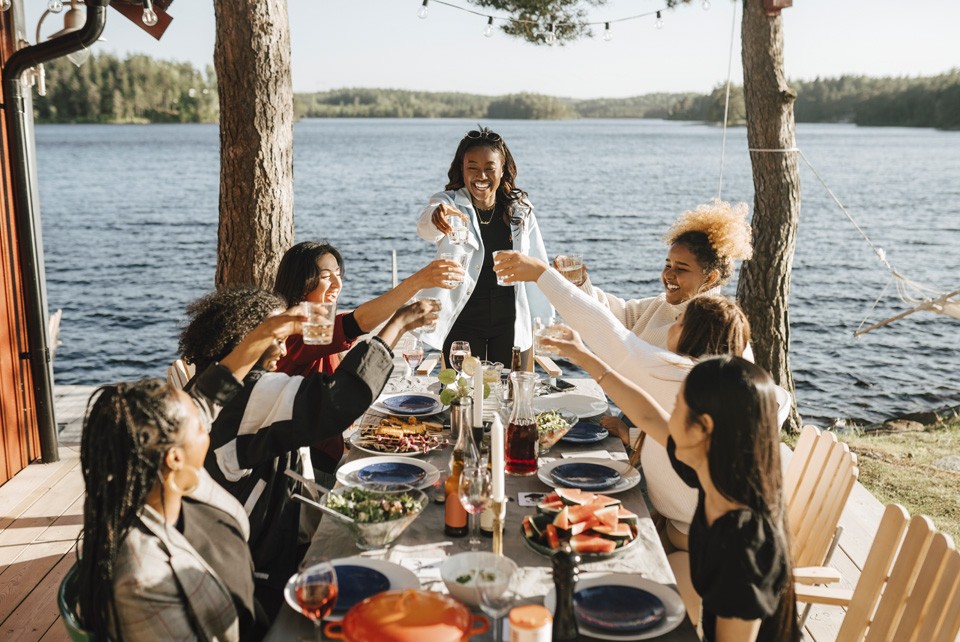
<point x="607" y="34"/>
<point x="706" y="5"/>
<point x="551" y="35"/>
<point x="488" y="30"/>
<point x="659" y="21"/>
<point x="55" y="6"/>
<point x="423" y="11"/>
<point x="149" y="17"/>
<point x="5" y="5"/>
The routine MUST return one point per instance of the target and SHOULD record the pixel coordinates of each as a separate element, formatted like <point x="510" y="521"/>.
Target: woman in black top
<point x="722" y="439"/>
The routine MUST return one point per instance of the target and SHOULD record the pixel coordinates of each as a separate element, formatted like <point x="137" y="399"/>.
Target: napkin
<point x="598" y="454"/>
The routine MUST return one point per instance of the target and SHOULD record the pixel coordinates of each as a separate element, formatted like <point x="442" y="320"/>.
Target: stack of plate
<point x="388" y="470"/>
<point x="409" y="404"/>
<point x="590" y="473"/>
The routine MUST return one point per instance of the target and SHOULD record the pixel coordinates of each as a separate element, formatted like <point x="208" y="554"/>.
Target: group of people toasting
<point x="189" y="528"/>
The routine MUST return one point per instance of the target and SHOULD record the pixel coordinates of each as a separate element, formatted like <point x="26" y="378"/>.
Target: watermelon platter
<point x="597" y="527"/>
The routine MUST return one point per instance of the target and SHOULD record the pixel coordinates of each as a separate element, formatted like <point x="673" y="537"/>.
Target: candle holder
<point x="499" y="514"/>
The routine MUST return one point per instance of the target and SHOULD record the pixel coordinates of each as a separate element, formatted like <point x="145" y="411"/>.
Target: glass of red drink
<point x="522" y="440"/>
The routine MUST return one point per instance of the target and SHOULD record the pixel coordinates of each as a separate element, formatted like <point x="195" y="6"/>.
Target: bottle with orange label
<point x="461" y="421"/>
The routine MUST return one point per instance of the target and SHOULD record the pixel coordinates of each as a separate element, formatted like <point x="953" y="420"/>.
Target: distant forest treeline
<point x="141" y="89"/>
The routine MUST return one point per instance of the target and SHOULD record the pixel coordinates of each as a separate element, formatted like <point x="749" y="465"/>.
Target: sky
<point x="382" y="43"/>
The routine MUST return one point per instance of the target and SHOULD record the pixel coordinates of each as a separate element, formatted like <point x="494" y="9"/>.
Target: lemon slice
<point x="470" y="365"/>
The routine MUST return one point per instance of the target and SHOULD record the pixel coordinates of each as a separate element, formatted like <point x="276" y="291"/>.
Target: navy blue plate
<point x="585" y="476"/>
<point x="585" y="432"/>
<point x="618" y="609"/>
<point x="391" y="473"/>
<point x="356" y="583"/>
<point x="412" y="404"/>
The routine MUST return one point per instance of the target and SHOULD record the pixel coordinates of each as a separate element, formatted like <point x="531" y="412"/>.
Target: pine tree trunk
<point x="252" y="61"/>
<point x="764" y="285"/>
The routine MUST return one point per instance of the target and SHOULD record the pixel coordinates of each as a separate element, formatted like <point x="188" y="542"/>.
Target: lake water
<point x="130" y="232"/>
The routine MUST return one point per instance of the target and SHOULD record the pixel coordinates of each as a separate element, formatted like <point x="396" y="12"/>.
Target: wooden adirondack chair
<point x="909" y="590"/>
<point x="817" y="483"/>
<point x="179" y="373"/>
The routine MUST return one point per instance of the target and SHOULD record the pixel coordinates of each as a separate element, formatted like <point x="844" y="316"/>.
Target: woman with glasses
<point x="482" y="196"/>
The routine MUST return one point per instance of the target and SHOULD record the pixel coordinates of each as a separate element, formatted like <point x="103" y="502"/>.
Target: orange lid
<point x="531" y="616"/>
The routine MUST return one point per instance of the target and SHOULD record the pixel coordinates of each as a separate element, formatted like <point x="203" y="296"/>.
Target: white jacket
<point x="526" y="239"/>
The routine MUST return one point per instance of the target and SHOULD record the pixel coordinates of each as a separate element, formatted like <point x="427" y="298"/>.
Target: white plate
<point x="629" y="476"/>
<point x="356" y="436"/>
<point x="344" y="473"/>
<point x="379" y="407"/>
<point x="582" y="405"/>
<point x="399" y="577"/>
<point x="670" y="598"/>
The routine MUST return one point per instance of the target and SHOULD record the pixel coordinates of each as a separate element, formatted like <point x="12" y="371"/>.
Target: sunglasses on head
<point x="484" y="133"/>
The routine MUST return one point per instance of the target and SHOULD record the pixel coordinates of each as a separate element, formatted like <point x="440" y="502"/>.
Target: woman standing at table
<point x="482" y="192"/>
<point x="723" y="441"/>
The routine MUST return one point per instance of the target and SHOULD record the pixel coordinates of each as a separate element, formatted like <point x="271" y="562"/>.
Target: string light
<point x="5" y="5"/>
<point x="149" y="16"/>
<point x="706" y="5"/>
<point x="488" y="30"/>
<point x="423" y="11"/>
<point x="659" y="21"/>
<point x="55" y="6"/>
<point x="551" y="36"/>
<point x="607" y="34"/>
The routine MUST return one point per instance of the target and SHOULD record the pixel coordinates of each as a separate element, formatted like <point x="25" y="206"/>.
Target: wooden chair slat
<point x="924" y="589"/>
<point x="808" y="482"/>
<point x="942" y="622"/>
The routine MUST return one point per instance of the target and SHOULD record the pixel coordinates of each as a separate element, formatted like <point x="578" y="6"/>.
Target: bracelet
<point x="605" y="373"/>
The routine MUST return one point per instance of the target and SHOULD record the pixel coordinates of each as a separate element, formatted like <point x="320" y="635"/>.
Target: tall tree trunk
<point x="764" y="285"/>
<point x="252" y="60"/>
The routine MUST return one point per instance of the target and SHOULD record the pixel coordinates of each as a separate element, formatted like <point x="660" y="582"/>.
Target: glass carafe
<point x="522" y="440"/>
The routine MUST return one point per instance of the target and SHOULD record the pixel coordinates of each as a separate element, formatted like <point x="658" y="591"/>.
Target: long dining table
<point x="423" y="545"/>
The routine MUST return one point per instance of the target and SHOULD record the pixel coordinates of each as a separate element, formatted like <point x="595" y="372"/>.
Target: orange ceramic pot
<point x="408" y="616"/>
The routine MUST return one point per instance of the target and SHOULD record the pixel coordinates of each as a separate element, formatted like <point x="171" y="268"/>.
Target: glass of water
<point x="544" y="327"/>
<point x="458" y="231"/>
<point x="571" y="267"/>
<point x="455" y="279"/>
<point x="318" y="328"/>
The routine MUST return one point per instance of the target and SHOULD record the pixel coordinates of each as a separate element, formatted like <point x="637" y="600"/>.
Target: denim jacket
<point x="526" y="239"/>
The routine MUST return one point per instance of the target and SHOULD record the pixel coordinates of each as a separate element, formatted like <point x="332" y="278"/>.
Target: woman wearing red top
<point x="312" y="271"/>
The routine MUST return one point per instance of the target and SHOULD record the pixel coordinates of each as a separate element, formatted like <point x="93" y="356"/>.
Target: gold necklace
<point x="480" y="218"/>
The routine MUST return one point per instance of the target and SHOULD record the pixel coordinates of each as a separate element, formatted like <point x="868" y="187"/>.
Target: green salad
<point x="371" y="507"/>
<point x="551" y="421"/>
<point x="486" y="576"/>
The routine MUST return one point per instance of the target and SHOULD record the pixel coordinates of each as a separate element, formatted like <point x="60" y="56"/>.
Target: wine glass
<point x="459" y="350"/>
<point x="413" y="355"/>
<point x="475" y="493"/>
<point x="496" y="596"/>
<point x="316" y="592"/>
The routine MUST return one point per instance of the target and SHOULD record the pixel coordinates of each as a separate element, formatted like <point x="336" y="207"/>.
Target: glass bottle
<point x="514" y="367"/>
<point x="522" y="440"/>
<point x="461" y="421"/>
<point x="565" y="571"/>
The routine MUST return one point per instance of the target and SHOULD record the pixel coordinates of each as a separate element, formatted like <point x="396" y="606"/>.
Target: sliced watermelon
<point x="627" y="517"/>
<point x="551" y="497"/>
<point x="574" y="496"/>
<point x="528" y="529"/>
<point x="620" y="532"/>
<point x="585" y="525"/>
<point x="539" y="523"/>
<point x="608" y="516"/>
<point x="551" y="508"/>
<point x="586" y="543"/>
<point x="583" y="512"/>
<point x="606" y="501"/>
<point x="553" y="540"/>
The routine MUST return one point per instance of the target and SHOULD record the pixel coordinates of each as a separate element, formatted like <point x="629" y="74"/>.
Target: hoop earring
<point x="193" y="481"/>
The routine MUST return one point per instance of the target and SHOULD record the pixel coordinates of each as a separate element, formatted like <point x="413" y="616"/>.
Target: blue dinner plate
<point x="585" y="432"/>
<point x="356" y="583"/>
<point x="411" y="404"/>
<point x="392" y="473"/>
<point x="585" y="476"/>
<point x="618" y="609"/>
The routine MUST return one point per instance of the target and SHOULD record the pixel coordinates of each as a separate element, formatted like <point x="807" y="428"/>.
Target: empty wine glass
<point x="475" y="492"/>
<point x="316" y="592"/>
<point x="413" y="356"/>
<point x="459" y="350"/>
<point x="496" y="596"/>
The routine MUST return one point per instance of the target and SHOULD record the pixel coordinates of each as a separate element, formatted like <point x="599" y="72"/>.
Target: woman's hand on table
<point x="514" y="267"/>
<point x="616" y="427"/>
<point x="441" y="215"/>
<point x="438" y="273"/>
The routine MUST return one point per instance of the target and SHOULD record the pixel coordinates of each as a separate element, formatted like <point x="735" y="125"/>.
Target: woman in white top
<point x="709" y="325"/>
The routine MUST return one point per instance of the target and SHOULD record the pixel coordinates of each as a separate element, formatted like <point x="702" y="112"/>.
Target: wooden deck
<point x="41" y="514"/>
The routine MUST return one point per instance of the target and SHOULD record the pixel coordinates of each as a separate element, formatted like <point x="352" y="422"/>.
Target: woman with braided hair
<point x="164" y="552"/>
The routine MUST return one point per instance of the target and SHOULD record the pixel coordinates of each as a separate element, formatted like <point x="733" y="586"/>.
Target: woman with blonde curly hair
<point x="704" y="244"/>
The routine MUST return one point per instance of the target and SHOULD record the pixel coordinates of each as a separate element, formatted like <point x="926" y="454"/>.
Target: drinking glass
<point x="571" y="267"/>
<point x="413" y="356"/>
<point x="475" y="492"/>
<point x="459" y="350"/>
<point x="455" y="279"/>
<point x="496" y="597"/>
<point x="317" y="330"/>
<point x="316" y="592"/>
<point x="432" y="326"/>
<point x="500" y="280"/>
<point x="543" y="327"/>
<point x="458" y="232"/>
